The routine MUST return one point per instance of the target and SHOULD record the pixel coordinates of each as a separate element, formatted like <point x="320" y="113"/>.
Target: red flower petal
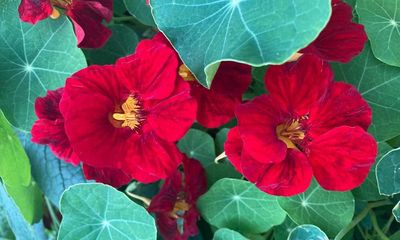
<point x="216" y="106"/>
<point x="113" y="177"/>
<point x="152" y="70"/>
<point x="165" y="199"/>
<point x="298" y="86"/>
<point x="195" y="180"/>
<point x="341" y="39"/>
<point x="257" y="122"/>
<point x="342" y="157"/>
<point x="87" y="17"/>
<point x="343" y="105"/>
<point x="33" y="11"/>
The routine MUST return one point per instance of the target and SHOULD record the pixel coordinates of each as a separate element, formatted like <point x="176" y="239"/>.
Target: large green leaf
<point x="5" y="230"/>
<point x="239" y="205"/>
<point x="307" y="232"/>
<point x="141" y="11"/>
<point x="198" y="145"/>
<point x="122" y="42"/>
<point x="330" y="211"/>
<point x="396" y="212"/>
<point x="382" y="25"/>
<point x="14" y="163"/>
<point x="368" y="191"/>
<point x="388" y="173"/>
<point x="33" y="59"/>
<point x="227" y="234"/>
<point x="379" y="84"/>
<point x="97" y="211"/>
<point x="257" y="32"/>
<point x="52" y="175"/>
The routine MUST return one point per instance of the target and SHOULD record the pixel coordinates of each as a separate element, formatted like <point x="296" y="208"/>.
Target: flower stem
<point x="53" y="215"/>
<point x="377" y="229"/>
<point x="219" y="158"/>
<point x="145" y="200"/>
<point x="124" y="19"/>
<point x="361" y="216"/>
<point x="386" y="228"/>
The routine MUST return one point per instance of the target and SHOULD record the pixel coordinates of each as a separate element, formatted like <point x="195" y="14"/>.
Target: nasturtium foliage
<point x="307" y="232"/>
<point x="5" y="230"/>
<point x="98" y="211"/>
<point x="33" y="59"/>
<point x="330" y="211"/>
<point x="52" y="175"/>
<point x="388" y="173"/>
<point x="257" y="32"/>
<point x="141" y="11"/>
<point x="379" y="84"/>
<point x="227" y="234"/>
<point x="382" y="23"/>
<point x="239" y="205"/>
<point x="396" y="212"/>
<point x="282" y="231"/>
<point x="122" y="42"/>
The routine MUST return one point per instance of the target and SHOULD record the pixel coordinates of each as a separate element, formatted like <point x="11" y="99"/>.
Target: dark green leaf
<point x="239" y="205"/>
<point x="281" y="232"/>
<point x="379" y="84"/>
<point x="257" y="32"/>
<point x="388" y="173"/>
<point x="382" y="26"/>
<point x="123" y="42"/>
<point x="141" y="11"/>
<point x="307" y="232"/>
<point x="33" y="59"/>
<point x="97" y="211"/>
<point x="198" y="145"/>
<point x="227" y="234"/>
<point x="330" y="211"/>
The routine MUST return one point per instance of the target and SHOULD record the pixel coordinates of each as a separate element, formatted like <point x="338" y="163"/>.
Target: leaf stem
<point x="53" y="215"/>
<point x="377" y="229"/>
<point x="386" y="228"/>
<point x="361" y="216"/>
<point x="123" y="19"/>
<point x="219" y="158"/>
<point x="144" y="200"/>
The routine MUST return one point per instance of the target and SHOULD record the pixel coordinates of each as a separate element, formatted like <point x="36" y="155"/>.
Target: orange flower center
<point x="290" y="133"/>
<point x="180" y="207"/>
<point x="185" y="73"/>
<point x="131" y="114"/>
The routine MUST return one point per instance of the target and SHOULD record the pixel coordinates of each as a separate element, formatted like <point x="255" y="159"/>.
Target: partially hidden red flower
<point x="175" y="204"/>
<point x="128" y="116"/>
<point x="341" y="39"/>
<point x="110" y="176"/>
<point x="87" y="17"/>
<point x="307" y="126"/>
<point x="49" y="128"/>
<point x="216" y="105"/>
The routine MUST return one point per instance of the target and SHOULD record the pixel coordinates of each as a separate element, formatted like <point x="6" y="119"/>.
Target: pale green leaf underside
<point x="227" y="234"/>
<point x="388" y="173"/>
<point x="257" y="32"/>
<point x="330" y="211"/>
<point x="379" y="84"/>
<point x="381" y="19"/>
<point x="33" y="59"/>
<point x="307" y="232"/>
<point x="396" y="212"/>
<point x="239" y="205"/>
<point x="97" y="211"/>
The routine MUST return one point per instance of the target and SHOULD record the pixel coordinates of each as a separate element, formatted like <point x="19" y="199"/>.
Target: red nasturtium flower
<point x="307" y="126"/>
<point x="216" y="105"/>
<point x="175" y="204"/>
<point x="128" y="116"/>
<point x="341" y="39"/>
<point x="86" y="15"/>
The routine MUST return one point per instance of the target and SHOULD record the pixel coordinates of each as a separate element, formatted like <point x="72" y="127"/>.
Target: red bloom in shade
<point x="175" y="204"/>
<point x="86" y="15"/>
<point x="341" y="39"/>
<point x="216" y="105"/>
<point x="49" y="129"/>
<point x="113" y="177"/>
<point x="307" y="126"/>
<point x="129" y="115"/>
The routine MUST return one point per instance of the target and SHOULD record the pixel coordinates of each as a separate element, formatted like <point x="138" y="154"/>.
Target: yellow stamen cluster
<point x="180" y="206"/>
<point x="289" y="133"/>
<point x="131" y="113"/>
<point x="185" y="73"/>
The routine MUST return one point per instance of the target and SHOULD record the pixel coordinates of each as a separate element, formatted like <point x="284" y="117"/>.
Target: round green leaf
<point x="307" y="232"/>
<point x="122" y="42"/>
<point x="281" y="232"/>
<point x="15" y="169"/>
<point x="198" y="145"/>
<point x="382" y="25"/>
<point x="379" y="84"/>
<point x="396" y="212"/>
<point x="388" y="173"/>
<point x="97" y="211"/>
<point x="330" y="211"/>
<point x="257" y="32"/>
<point x="239" y="205"/>
<point x="227" y="234"/>
<point x="141" y="11"/>
<point x="33" y="59"/>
